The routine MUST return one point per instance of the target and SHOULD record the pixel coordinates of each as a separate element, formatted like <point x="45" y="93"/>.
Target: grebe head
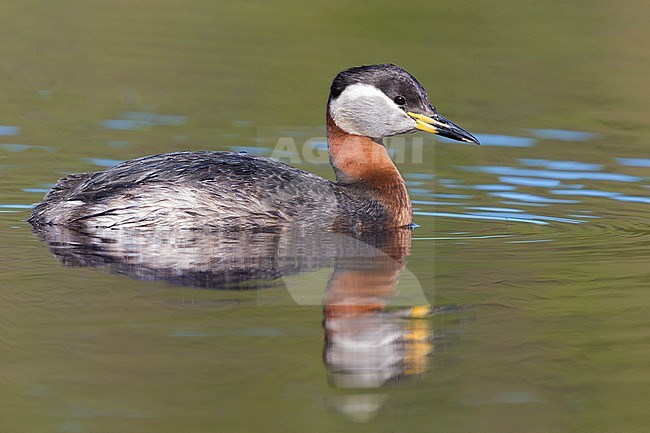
<point x="379" y="101"/>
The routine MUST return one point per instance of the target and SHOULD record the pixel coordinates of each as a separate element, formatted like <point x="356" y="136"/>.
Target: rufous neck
<point x="359" y="159"/>
<point x="364" y="163"/>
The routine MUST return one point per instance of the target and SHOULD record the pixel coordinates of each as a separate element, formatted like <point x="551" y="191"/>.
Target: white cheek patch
<point x="362" y="109"/>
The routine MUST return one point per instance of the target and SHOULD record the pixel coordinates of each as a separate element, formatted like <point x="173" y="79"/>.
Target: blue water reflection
<point x="456" y="196"/>
<point x="103" y="162"/>
<point x="9" y="130"/>
<point x="155" y="119"/>
<point x="530" y="198"/>
<point x="14" y="207"/>
<point x="634" y="162"/>
<point x="584" y="192"/>
<point x="419" y="176"/>
<point x="495" y="209"/>
<point x="484" y="187"/>
<point x="497" y="140"/>
<point x="554" y="174"/>
<point x="435" y="203"/>
<point x="560" y="165"/>
<point x="562" y="134"/>
<point x="24" y="147"/>
<point x="419" y="191"/>
<point x="529" y="181"/>
<point x="505" y="140"/>
<point x="633" y="199"/>
<point x="607" y="194"/>
<point x="124" y="124"/>
<point x="139" y="120"/>
<point x="43" y="190"/>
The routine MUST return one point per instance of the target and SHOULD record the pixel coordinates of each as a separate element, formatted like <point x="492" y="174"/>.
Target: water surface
<point x="532" y="249"/>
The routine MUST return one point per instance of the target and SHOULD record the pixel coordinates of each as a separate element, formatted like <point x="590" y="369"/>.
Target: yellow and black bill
<point x="437" y="124"/>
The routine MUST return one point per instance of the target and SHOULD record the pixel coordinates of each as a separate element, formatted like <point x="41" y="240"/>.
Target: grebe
<point x="230" y="191"/>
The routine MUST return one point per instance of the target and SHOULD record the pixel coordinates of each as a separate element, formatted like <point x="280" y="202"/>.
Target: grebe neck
<point x="363" y="163"/>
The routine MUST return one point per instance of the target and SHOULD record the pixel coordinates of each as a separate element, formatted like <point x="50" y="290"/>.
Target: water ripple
<point x="155" y="119"/>
<point x="103" y="162"/>
<point x="484" y="187"/>
<point x="553" y="174"/>
<point x="485" y="216"/>
<point x="455" y="196"/>
<point x="560" y="165"/>
<point x="634" y="162"/>
<point x="495" y="209"/>
<point x="584" y="192"/>
<point x="9" y="130"/>
<point x="505" y="140"/>
<point x="24" y="147"/>
<point x="419" y="176"/>
<point x="124" y="124"/>
<point x="530" y="181"/>
<point x="138" y="120"/>
<point x="562" y="134"/>
<point x="632" y="198"/>
<point x="507" y="216"/>
<point x="530" y="198"/>
<point x="435" y="203"/>
<point x="598" y="193"/>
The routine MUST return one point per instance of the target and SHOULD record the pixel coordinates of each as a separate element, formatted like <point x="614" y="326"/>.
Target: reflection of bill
<point x="371" y="349"/>
<point x="367" y="348"/>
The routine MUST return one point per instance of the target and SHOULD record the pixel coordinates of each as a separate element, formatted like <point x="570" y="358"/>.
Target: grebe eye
<point x="399" y="100"/>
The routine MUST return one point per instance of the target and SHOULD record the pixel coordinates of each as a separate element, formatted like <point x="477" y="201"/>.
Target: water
<point x="532" y="249"/>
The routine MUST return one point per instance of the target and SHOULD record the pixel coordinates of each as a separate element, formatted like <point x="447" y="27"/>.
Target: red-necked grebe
<point x="230" y="191"/>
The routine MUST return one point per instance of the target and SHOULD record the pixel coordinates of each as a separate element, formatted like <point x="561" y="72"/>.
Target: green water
<point x="533" y="248"/>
